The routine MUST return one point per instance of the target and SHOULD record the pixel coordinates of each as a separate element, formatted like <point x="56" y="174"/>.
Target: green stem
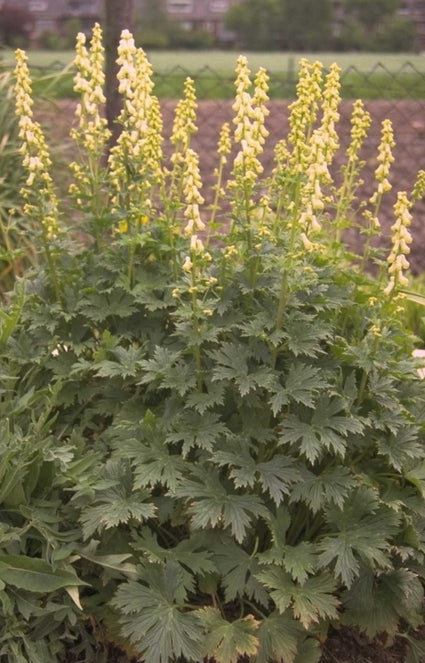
<point x="254" y="608"/>
<point x="195" y="325"/>
<point x="279" y="315"/>
<point x="362" y="387"/>
<point x="345" y="198"/>
<point x="216" y="199"/>
<point x="371" y="233"/>
<point x="296" y="527"/>
<point x="132" y="255"/>
<point x="51" y="266"/>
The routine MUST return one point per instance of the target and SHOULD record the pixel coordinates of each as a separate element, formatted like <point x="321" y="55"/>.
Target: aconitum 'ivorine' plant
<point x="219" y="433"/>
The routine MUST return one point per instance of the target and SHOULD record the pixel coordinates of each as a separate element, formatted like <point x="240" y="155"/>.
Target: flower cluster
<point x="330" y="112"/>
<point x="303" y="111"/>
<point x="136" y="160"/>
<point x="224" y="147"/>
<point x="136" y="187"/>
<point x="319" y="151"/>
<point x="360" y="124"/>
<point x="250" y="113"/>
<point x="184" y="124"/>
<point x="385" y="158"/>
<point x="193" y="198"/>
<point x="39" y="193"/>
<point x="401" y="239"/>
<point x="89" y="82"/>
<point x="418" y="190"/>
<point x="91" y="133"/>
<point x="249" y="135"/>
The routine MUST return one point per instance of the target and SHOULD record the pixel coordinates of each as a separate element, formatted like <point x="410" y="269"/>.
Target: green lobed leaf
<point x="197" y="430"/>
<point x="191" y="557"/>
<point x="400" y="448"/>
<point x="117" y="503"/>
<point x="238" y="572"/>
<point x="310" y="601"/>
<point x="278" y="636"/>
<point x="209" y="504"/>
<point x="364" y="529"/>
<point x="155" y="626"/>
<point x="232" y="363"/>
<point x="331" y="486"/>
<point x="324" y="429"/>
<point x="300" y="560"/>
<point x="376" y="603"/>
<point x="226" y="641"/>
<point x="168" y="371"/>
<point x="304" y="333"/>
<point x="275" y="476"/>
<point x="126" y="363"/>
<point x="234" y="511"/>
<point x="303" y="383"/>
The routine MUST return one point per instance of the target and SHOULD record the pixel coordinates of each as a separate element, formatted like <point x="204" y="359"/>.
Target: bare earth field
<point x="408" y="119"/>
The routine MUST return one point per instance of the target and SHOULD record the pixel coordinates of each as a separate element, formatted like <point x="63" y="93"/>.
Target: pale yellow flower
<point x="38" y="191"/>
<point x="91" y="133"/>
<point x="184" y="124"/>
<point x="136" y="171"/>
<point x="249" y="135"/>
<point x="304" y="110"/>
<point x="419" y="187"/>
<point x="401" y="239"/>
<point x="385" y="158"/>
<point x="191" y="189"/>
<point x="360" y="124"/>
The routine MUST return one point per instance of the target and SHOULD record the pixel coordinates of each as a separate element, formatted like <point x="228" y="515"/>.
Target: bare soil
<point x="408" y="118"/>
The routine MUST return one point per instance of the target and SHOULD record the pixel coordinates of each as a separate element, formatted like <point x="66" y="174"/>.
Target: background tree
<point x="371" y="13"/>
<point x="375" y="26"/>
<point x="398" y="34"/>
<point x="16" y="25"/>
<point x="153" y="25"/>
<point x="306" y="24"/>
<point x="254" y="22"/>
<point x="286" y="24"/>
<point x="118" y="15"/>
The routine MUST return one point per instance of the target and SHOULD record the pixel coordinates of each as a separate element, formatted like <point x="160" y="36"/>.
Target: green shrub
<point x="212" y="430"/>
<point x="190" y="39"/>
<point x="153" y="39"/>
<point x="52" y="41"/>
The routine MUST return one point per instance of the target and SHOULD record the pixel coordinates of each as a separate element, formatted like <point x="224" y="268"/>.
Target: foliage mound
<point x="212" y="424"/>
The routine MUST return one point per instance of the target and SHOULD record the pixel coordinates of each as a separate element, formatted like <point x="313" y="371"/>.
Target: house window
<point x="180" y="6"/>
<point x="219" y="6"/>
<point x="45" y="26"/>
<point x="37" y="5"/>
<point x="74" y="5"/>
